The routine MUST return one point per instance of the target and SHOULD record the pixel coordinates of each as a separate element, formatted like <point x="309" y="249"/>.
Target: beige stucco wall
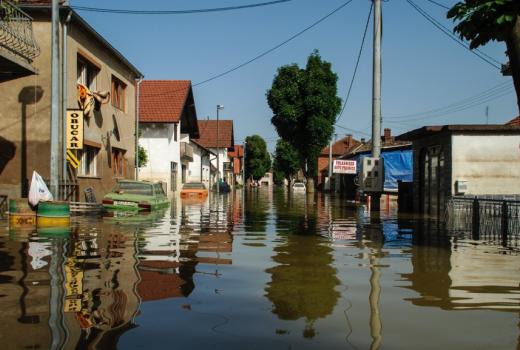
<point x="37" y="113"/>
<point x="489" y="163"/>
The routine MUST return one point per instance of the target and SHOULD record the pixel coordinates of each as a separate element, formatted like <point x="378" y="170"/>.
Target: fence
<point x="493" y="219"/>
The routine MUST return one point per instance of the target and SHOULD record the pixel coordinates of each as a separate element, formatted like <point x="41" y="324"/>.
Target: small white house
<point x="217" y="137"/>
<point x="463" y="160"/>
<point x="167" y="121"/>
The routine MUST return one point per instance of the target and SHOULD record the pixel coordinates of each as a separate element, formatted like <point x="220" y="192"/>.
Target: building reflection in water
<point x="303" y="283"/>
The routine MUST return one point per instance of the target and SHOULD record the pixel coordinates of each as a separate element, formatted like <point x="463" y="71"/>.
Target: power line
<point x="275" y="47"/>
<point x="439" y="4"/>
<point x="486" y="58"/>
<point x="482" y="97"/>
<point x="357" y="63"/>
<point x="175" y="12"/>
<point x="353" y="130"/>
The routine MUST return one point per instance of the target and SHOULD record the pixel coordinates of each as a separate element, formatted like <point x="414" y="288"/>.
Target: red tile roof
<point x="208" y="134"/>
<point x="162" y="101"/>
<point x="237" y="152"/>
<point x="515" y="121"/>
<point x="341" y="147"/>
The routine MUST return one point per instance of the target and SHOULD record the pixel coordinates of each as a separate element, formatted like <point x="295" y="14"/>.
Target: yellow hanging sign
<point x="75" y="129"/>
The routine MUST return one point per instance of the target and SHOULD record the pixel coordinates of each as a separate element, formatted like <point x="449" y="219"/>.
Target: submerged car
<point x="298" y="186"/>
<point x="136" y="196"/>
<point x="194" y="190"/>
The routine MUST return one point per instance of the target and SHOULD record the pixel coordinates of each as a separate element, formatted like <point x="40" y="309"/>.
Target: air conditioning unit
<point x="372" y="174"/>
<point x="461" y="186"/>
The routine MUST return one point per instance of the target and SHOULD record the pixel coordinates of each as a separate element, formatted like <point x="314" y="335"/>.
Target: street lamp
<point x="219" y="107"/>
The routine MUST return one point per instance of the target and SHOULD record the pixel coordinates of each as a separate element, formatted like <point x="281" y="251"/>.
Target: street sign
<point x="73" y="160"/>
<point x="344" y="167"/>
<point x="74" y="129"/>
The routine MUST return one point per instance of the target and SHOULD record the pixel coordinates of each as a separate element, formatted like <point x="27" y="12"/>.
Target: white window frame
<point x="84" y="154"/>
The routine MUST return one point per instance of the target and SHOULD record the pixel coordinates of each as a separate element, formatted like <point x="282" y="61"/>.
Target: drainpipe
<point x="137" y="129"/>
<point x="64" y="100"/>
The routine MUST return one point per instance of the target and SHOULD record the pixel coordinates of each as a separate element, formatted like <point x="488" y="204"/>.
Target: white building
<point x="218" y="139"/>
<point x="167" y="121"/>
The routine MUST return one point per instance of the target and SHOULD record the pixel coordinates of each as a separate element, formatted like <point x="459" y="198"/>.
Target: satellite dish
<point x="116" y="128"/>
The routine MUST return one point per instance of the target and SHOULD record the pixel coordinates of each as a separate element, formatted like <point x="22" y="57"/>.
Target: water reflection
<point x="256" y="270"/>
<point x="303" y="284"/>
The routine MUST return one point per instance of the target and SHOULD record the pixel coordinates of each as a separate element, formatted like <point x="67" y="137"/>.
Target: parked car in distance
<point x="194" y="190"/>
<point x="298" y="186"/>
<point x="136" y="196"/>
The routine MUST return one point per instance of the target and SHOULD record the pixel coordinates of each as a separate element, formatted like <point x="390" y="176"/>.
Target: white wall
<point x="159" y="142"/>
<point x="194" y="168"/>
<point x="223" y="157"/>
<point x="489" y="164"/>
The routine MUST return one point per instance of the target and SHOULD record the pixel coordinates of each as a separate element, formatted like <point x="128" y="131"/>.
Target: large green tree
<point x="305" y="104"/>
<point x="286" y="161"/>
<point x="481" y="21"/>
<point x="258" y="161"/>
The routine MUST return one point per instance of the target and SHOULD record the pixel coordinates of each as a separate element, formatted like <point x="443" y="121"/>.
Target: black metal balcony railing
<point x="16" y="32"/>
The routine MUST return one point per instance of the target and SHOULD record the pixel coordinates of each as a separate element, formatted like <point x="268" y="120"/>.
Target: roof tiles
<point x="162" y="101"/>
<point x="208" y="134"/>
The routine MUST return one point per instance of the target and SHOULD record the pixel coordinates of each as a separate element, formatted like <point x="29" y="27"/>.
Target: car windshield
<point x="298" y="184"/>
<point x="194" y="186"/>
<point x="134" y="188"/>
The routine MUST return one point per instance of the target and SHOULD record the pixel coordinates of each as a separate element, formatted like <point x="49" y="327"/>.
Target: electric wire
<point x="486" y="58"/>
<point x="275" y="47"/>
<point x="352" y="130"/>
<point x="175" y="12"/>
<point x="357" y="63"/>
<point x="482" y="97"/>
<point x="257" y="57"/>
<point x="439" y="4"/>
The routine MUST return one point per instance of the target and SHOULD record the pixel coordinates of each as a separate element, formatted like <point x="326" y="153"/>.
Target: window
<point x="87" y="73"/>
<point x="119" y="162"/>
<point x="118" y="94"/>
<point x="88" y="161"/>
<point x="175" y="132"/>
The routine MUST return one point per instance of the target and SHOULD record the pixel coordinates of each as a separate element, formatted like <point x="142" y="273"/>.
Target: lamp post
<point x="219" y="107"/>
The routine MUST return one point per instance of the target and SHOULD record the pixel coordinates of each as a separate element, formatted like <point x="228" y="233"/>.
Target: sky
<point x="423" y="69"/>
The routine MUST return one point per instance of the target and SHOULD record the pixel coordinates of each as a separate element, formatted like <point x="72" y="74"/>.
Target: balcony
<point x="186" y="152"/>
<point x="17" y="45"/>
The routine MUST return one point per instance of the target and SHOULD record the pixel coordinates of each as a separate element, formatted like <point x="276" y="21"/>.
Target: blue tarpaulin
<point x="398" y="166"/>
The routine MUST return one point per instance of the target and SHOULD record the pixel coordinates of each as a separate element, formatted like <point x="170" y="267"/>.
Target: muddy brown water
<point x="267" y="270"/>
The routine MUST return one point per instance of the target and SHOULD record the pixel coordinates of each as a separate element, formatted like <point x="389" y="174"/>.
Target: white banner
<point x="344" y="167"/>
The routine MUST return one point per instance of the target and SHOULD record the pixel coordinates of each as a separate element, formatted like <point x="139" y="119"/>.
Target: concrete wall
<point x="200" y="163"/>
<point x="159" y="142"/>
<point x="223" y="157"/>
<point x="489" y="163"/>
<point x="25" y="126"/>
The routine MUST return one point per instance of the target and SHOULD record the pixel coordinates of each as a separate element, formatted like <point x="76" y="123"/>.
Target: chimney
<point x="388" y="135"/>
<point x="362" y="140"/>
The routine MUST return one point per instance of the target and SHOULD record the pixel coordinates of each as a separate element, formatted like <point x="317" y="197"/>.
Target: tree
<point x="481" y="21"/>
<point x="258" y="161"/>
<point x="142" y="157"/>
<point x="305" y="105"/>
<point x="286" y="162"/>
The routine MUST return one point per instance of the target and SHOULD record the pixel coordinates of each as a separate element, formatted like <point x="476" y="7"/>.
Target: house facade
<point x="339" y="148"/>
<point x="90" y="67"/>
<point x="236" y="158"/>
<point x="167" y="122"/>
<point x="463" y="160"/>
<point x="218" y="138"/>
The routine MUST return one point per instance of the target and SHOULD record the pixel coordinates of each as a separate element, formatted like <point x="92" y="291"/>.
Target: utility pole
<point x="219" y="107"/>
<point x="376" y="95"/>
<point x="55" y="90"/>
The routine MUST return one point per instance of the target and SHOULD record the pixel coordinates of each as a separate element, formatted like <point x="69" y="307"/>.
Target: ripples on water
<point x="271" y="271"/>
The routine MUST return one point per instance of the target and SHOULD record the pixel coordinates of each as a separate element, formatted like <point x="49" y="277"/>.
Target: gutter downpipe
<point x="137" y="128"/>
<point x="64" y="87"/>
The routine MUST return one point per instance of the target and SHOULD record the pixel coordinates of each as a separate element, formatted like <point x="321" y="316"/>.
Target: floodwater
<point x="261" y="271"/>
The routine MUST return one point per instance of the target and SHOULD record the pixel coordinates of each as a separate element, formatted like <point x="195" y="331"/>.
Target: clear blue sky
<point x="422" y="68"/>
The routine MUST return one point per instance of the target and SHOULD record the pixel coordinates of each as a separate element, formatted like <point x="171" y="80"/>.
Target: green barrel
<point x="53" y="214"/>
<point x="21" y="215"/>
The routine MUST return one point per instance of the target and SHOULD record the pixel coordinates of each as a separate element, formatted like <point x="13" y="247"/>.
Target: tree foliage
<point x="286" y="162"/>
<point x="258" y="161"/>
<point x="481" y="21"/>
<point x="305" y="105"/>
<point x="142" y="157"/>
